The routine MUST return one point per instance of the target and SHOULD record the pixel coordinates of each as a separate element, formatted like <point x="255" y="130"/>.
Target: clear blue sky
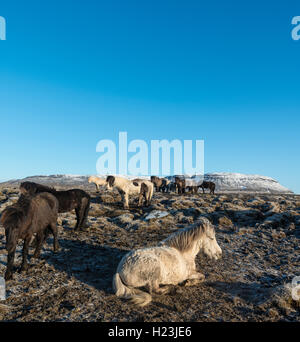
<point x="74" y="72"/>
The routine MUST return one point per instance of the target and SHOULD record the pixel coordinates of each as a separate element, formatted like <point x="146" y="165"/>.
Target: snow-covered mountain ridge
<point x="225" y="182"/>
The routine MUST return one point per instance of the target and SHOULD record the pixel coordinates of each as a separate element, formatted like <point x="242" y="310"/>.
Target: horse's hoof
<point x="193" y="282"/>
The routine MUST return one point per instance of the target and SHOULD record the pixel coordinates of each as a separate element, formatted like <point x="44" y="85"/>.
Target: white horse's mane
<point x="184" y="239"/>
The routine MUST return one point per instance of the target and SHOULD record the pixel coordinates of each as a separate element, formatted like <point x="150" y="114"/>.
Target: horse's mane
<point x="32" y="188"/>
<point x="183" y="240"/>
<point x="14" y="215"/>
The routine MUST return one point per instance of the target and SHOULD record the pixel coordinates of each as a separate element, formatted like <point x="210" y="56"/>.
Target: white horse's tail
<point x="136" y="296"/>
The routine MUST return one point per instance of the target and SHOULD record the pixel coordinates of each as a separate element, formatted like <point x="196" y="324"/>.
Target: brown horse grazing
<point x="180" y="184"/>
<point x="208" y="185"/>
<point x="30" y="215"/>
<point x="68" y="200"/>
<point x="146" y="194"/>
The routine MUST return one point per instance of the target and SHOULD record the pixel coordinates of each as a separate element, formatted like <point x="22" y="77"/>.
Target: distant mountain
<point x="52" y="180"/>
<point x="238" y="182"/>
<point x="225" y="182"/>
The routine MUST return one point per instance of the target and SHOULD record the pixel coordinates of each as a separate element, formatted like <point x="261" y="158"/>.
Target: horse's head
<point x="209" y="243"/>
<point x="110" y="182"/>
<point x="155" y="180"/>
<point x="28" y="188"/>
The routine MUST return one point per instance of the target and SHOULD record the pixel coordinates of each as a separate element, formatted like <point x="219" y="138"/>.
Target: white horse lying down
<point x="97" y="181"/>
<point x="126" y="187"/>
<point x="170" y="263"/>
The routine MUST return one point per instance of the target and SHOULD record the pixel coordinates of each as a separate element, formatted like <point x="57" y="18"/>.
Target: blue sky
<point x="74" y="72"/>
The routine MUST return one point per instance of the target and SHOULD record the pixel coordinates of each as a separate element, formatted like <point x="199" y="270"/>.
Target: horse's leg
<point x="126" y="200"/>
<point x="194" y="279"/>
<point x="53" y="227"/>
<point x="77" y="218"/>
<point x="39" y="240"/>
<point x="141" y="196"/>
<point x="80" y="217"/>
<point x="148" y="198"/>
<point x="46" y="233"/>
<point x="123" y="199"/>
<point x="154" y="287"/>
<point x="10" y="264"/>
<point x="83" y="213"/>
<point x="24" y="265"/>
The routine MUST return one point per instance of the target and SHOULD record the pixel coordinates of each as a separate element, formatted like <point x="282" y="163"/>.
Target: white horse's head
<point x="209" y="244"/>
<point x="199" y="236"/>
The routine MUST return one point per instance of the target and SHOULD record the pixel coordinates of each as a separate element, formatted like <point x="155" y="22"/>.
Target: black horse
<point x="208" y="185"/>
<point x="68" y="200"/>
<point x="30" y="215"/>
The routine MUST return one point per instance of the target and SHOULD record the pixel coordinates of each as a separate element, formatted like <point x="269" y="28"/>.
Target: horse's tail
<point x="11" y="219"/>
<point x="136" y="296"/>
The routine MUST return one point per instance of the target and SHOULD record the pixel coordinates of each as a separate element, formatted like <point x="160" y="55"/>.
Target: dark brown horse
<point x="208" y="185"/>
<point x="180" y="184"/>
<point x="30" y="215"/>
<point x="68" y="200"/>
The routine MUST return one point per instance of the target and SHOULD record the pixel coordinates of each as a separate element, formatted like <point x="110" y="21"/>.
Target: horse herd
<point x="145" y="188"/>
<point x="171" y="262"/>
